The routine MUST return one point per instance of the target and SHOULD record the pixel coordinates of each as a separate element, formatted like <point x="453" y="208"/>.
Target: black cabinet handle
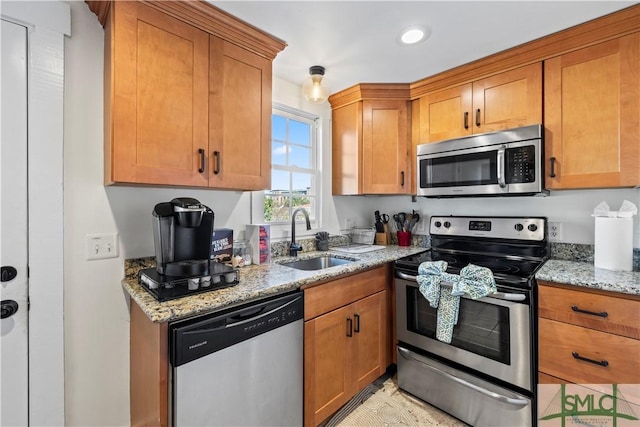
<point x="592" y="313"/>
<point x="201" y="152"/>
<point x="552" y="173"/>
<point x="466" y="120"/>
<point x="216" y="163"/>
<point x="357" y="317"/>
<point x="586" y="359"/>
<point x="402" y="179"/>
<point x="8" y="273"/>
<point x="8" y="308"/>
<point x="478" y="117"/>
<point x="349" y="327"/>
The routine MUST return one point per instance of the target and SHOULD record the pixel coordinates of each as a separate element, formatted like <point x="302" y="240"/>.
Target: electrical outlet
<point x="101" y="246"/>
<point x="348" y="223"/>
<point x="555" y="231"/>
<point x="423" y="225"/>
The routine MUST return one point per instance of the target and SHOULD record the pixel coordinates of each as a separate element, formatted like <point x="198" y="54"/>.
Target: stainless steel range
<point x="486" y="375"/>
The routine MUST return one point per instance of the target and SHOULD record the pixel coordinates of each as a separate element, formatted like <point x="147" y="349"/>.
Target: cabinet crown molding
<point x="362" y="91"/>
<point x="205" y="16"/>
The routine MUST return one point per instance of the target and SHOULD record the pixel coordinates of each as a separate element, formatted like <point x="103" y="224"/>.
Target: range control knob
<point x="447" y="224"/>
<point x="532" y="227"/>
<point x="519" y="227"/>
<point x="438" y="224"/>
<point x="8" y="308"/>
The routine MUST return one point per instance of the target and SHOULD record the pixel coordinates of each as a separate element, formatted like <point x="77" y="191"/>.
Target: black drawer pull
<point x="466" y="120"/>
<point x="349" y="327"/>
<point x="592" y="313"/>
<point x="585" y="359"/>
<point x="357" y="328"/>
<point x="478" y="117"/>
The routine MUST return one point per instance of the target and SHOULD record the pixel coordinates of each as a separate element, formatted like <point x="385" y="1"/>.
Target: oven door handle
<point x="496" y="396"/>
<point x="497" y="295"/>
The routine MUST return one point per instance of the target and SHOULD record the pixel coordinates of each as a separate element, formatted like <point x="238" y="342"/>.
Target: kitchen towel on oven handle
<point x="475" y="281"/>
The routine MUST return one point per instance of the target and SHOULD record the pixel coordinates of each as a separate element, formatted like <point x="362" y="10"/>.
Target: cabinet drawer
<point x="340" y="292"/>
<point x="558" y="342"/>
<point x="567" y="305"/>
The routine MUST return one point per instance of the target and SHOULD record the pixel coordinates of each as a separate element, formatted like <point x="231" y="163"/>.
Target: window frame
<point x="283" y="228"/>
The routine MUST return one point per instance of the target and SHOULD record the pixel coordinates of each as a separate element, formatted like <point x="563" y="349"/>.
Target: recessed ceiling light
<point x="414" y="34"/>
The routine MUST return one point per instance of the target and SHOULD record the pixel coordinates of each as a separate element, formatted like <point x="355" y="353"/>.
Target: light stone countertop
<point x="584" y="274"/>
<point x="256" y="281"/>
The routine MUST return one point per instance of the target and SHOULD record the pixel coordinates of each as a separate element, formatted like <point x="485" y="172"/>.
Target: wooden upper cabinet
<point x="592" y="116"/>
<point x="158" y="73"/>
<point x="445" y="114"/>
<point x="508" y="100"/>
<point x="239" y="118"/>
<point x="502" y="101"/>
<point x="385" y="163"/>
<point x="185" y="103"/>
<point x="371" y="140"/>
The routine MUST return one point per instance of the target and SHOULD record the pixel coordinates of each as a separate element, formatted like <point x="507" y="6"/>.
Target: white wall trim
<point x="48" y="23"/>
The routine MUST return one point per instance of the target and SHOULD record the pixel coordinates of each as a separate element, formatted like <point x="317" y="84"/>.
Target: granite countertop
<point x="584" y="274"/>
<point x="256" y="281"/>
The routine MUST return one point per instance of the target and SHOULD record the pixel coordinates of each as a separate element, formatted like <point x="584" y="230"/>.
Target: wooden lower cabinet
<point x="346" y="348"/>
<point x="149" y="370"/>
<point x="587" y="337"/>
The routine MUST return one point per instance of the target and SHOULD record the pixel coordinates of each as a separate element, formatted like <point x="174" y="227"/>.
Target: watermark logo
<point x="588" y="405"/>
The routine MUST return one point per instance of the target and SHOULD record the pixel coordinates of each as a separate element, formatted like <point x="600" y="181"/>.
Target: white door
<point x="13" y="226"/>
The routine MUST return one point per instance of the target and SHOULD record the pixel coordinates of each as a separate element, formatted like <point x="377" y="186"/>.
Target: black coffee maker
<point x="182" y="230"/>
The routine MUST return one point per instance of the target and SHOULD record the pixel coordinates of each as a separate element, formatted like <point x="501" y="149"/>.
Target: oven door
<point x="492" y="336"/>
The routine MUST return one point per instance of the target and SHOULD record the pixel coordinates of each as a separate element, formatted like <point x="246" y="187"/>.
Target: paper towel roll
<point x="614" y="243"/>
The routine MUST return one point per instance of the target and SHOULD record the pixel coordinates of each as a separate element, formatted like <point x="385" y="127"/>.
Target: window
<point x="295" y="181"/>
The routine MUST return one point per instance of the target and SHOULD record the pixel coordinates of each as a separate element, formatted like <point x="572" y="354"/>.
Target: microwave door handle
<point x="500" y="160"/>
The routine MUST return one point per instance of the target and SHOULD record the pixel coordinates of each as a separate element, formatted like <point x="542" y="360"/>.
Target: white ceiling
<point x="356" y="40"/>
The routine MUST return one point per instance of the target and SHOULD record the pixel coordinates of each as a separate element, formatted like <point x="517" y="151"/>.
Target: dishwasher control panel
<point x="197" y="337"/>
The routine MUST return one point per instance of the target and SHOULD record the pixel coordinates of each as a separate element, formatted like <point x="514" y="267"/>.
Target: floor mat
<point x="383" y="404"/>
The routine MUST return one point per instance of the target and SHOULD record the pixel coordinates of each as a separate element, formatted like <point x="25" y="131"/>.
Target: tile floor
<point x="390" y="406"/>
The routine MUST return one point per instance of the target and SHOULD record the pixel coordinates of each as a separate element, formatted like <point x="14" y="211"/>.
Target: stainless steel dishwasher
<point x="239" y="367"/>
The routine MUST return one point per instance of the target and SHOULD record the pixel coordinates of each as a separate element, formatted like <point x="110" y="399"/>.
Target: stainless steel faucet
<point x="294" y="247"/>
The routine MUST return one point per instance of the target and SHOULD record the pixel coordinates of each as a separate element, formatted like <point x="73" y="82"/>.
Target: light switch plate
<point x="101" y="246"/>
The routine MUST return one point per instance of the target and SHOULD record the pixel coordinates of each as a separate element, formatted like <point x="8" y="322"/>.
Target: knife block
<point x="382" y="239"/>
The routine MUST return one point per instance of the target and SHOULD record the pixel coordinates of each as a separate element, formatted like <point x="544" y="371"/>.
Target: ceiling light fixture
<point x="414" y="34"/>
<point x="315" y="89"/>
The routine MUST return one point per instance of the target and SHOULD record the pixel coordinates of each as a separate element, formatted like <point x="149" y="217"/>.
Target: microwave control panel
<point x="520" y="164"/>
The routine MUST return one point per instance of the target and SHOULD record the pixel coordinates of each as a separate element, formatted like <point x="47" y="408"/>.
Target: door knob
<point x="8" y="273"/>
<point x="9" y="308"/>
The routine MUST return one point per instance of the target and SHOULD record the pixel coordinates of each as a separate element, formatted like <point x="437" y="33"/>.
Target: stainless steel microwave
<point x="508" y="162"/>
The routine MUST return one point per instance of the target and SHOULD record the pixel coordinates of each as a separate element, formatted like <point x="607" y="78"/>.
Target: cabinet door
<point x="370" y="332"/>
<point x="346" y="149"/>
<point x="592" y="105"/>
<point x="158" y="85"/>
<point x="239" y="118"/>
<point x="385" y="144"/>
<point x="508" y="100"/>
<point x="446" y="114"/>
<point x="327" y="364"/>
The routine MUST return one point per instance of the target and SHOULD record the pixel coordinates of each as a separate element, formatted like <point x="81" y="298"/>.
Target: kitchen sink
<point x="318" y="263"/>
